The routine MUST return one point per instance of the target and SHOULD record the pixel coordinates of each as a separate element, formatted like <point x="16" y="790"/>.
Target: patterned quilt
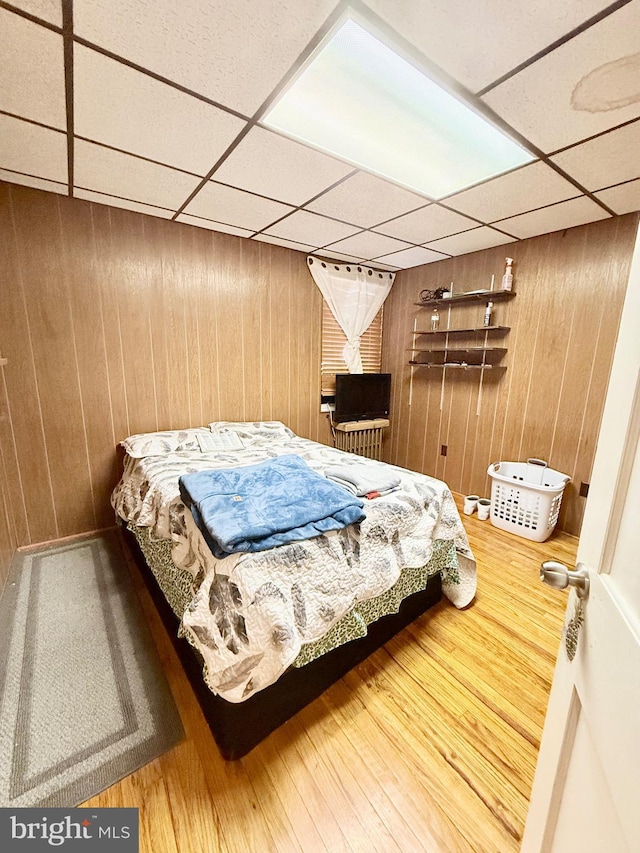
<point x="252" y="612"/>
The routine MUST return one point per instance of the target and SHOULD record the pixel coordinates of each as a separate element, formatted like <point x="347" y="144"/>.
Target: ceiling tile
<point x="32" y="149"/>
<point x="106" y="171"/>
<point x="213" y="226"/>
<point x="622" y="199"/>
<point x="470" y="241"/>
<point x="271" y="165"/>
<point x="304" y="227"/>
<point x="567" y="214"/>
<point x="479" y="42"/>
<point x="48" y="10"/>
<point x="234" y="53"/>
<point x="36" y="183"/>
<point x="121" y="107"/>
<point x="288" y="244"/>
<point x="339" y="256"/>
<point x="369" y="245"/>
<point x="413" y="257"/>
<point x="111" y="201"/>
<point x="525" y="189"/>
<point x="235" y="207"/>
<point x="581" y="88"/>
<point x="31" y="71"/>
<point x="607" y="160"/>
<point x="378" y="265"/>
<point x="429" y="223"/>
<point x="366" y="200"/>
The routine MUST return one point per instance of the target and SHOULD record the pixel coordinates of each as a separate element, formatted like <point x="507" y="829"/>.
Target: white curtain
<point x="354" y="294"/>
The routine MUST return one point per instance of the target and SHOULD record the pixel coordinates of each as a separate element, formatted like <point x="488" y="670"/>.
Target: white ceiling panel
<point x="426" y="224"/>
<point x="110" y="201"/>
<point x="36" y="183"/>
<point x="369" y="245"/>
<point x="210" y="225"/>
<point x="31" y="71"/>
<point x="114" y="173"/>
<point x="470" y="241"/>
<point x="583" y="87"/>
<point x="567" y="214"/>
<point x="622" y="199"/>
<point x="234" y="53"/>
<point x="606" y="160"/>
<point x="288" y="244"/>
<point x="479" y="42"/>
<point x="305" y="227"/>
<point x="32" y="149"/>
<point x="268" y="164"/>
<point x="48" y="10"/>
<point x="329" y="254"/>
<point x="379" y="265"/>
<point x="121" y="107"/>
<point x="366" y="200"/>
<point x="525" y="189"/>
<point x="235" y="207"/>
<point x="413" y="257"/>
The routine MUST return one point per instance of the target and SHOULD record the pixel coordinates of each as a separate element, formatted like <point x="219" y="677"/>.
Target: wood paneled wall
<point x="548" y="403"/>
<point x="8" y="540"/>
<point x="116" y="323"/>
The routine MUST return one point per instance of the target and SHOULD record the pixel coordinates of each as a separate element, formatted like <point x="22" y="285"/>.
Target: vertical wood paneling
<point x="8" y="531"/>
<point x="570" y="286"/>
<point x="87" y="332"/>
<point x="229" y="286"/>
<point x="134" y="308"/>
<point x="46" y="289"/>
<point x="116" y="323"/>
<point x="29" y="486"/>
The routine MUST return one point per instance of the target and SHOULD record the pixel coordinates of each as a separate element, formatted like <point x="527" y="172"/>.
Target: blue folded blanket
<point x="256" y="507"/>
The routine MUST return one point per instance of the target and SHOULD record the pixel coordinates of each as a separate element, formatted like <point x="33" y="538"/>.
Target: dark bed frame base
<point x="237" y="728"/>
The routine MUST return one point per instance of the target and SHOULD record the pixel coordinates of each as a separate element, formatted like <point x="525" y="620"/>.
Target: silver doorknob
<point x="560" y="576"/>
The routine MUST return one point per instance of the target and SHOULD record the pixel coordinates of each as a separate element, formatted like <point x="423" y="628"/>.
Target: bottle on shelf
<point x="488" y="312"/>
<point x="435" y="320"/>
<point x="507" y="278"/>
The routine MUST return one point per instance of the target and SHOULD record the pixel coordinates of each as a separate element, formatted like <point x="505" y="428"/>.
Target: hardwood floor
<point x="429" y="745"/>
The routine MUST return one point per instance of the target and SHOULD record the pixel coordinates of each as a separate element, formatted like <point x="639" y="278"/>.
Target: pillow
<point x="252" y="430"/>
<point x="162" y="443"/>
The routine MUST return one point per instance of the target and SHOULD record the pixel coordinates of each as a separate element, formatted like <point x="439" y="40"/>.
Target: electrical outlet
<point x="443" y="450"/>
<point x="584" y="490"/>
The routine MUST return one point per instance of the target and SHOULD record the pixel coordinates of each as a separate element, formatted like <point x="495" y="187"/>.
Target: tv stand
<point x="362" y="437"/>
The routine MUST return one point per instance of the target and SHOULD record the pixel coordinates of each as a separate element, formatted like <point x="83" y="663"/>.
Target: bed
<point x="262" y="633"/>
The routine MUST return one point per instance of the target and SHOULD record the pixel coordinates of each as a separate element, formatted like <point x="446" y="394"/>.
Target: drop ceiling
<point x="156" y="106"/>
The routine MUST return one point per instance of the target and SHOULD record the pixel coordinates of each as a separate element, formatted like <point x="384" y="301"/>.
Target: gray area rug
<point x="83" y="699"/>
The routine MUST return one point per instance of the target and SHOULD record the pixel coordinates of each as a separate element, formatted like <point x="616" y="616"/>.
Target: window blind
<point x="333" y="341"/>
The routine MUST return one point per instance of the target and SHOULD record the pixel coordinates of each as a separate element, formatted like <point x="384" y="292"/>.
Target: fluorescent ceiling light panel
<point x="361" y="101"/>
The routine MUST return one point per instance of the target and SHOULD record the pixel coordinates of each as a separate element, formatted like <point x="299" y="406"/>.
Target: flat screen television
<point x="361" y="396"/>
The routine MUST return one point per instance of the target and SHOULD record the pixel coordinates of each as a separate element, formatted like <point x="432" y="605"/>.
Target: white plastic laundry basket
<point x="526" y="497"/>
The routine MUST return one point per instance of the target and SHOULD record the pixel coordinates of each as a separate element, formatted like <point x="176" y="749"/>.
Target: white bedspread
<point x="252" y="612"/>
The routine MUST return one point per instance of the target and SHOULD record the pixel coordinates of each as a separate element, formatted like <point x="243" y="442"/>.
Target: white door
<point x="586" y="792"/>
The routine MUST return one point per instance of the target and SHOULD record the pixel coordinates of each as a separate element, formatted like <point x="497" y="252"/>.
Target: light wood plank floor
<point x="429" y="745"/>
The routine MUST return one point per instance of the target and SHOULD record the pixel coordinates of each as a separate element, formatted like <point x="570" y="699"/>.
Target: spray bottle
<point x="488" y="311"/>
<point x="507" y="278"/>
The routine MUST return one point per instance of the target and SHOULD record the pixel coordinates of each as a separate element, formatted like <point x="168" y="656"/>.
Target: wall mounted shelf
<point x="463" y="331"/>
<point x="470" y="296"/>
<point x="468" y="350"/>
<point x="454" y="364"/>
<point x="483" y="357"/>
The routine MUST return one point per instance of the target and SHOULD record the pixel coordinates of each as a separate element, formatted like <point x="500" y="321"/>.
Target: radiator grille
<point x="366" y="441"/>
